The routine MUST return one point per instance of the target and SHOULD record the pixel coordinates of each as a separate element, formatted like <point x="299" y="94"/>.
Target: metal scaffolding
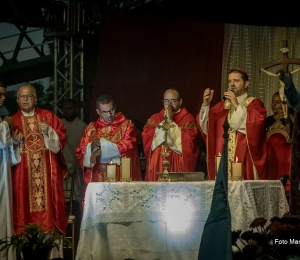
<point x="68" y="53"/>
<point x="67" y="25"/>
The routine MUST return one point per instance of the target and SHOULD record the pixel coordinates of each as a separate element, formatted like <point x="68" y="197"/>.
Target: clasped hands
<point x="96" y="150"/>
<point x="169" y="112"/>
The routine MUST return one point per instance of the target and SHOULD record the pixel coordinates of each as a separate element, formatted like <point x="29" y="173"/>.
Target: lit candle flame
<point x="236" y="159"/>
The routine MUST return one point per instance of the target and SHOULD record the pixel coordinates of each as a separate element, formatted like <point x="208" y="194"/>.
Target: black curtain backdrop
<point x="141" y="55"/>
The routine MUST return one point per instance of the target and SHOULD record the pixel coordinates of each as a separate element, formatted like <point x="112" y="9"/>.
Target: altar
<point x="165" y="220"/>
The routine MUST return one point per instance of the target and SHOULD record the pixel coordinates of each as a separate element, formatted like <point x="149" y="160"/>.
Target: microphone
<point x="224" y="98"/>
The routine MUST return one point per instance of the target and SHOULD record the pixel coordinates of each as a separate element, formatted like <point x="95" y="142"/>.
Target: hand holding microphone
<point x="230" y="96"/>
<point x="229" y="89"/>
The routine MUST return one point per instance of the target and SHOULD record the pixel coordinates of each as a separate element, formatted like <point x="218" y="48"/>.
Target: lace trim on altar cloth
<point x="154" y="201"/>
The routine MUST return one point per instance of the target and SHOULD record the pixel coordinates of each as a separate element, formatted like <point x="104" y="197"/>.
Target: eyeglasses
<point x="3" y="94"/>
<point x="172" y="101"/>
<point x="29" y="96"/>
<point x="105" y="113"/>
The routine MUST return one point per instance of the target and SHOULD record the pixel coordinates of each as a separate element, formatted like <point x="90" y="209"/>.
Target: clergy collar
<point x="31" y="113"/>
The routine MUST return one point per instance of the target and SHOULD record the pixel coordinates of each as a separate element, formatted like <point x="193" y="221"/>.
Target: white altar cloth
<point x="165" y="220"/>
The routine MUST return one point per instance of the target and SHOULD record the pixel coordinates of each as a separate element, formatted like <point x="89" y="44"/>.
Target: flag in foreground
<point x="216" y="238"/>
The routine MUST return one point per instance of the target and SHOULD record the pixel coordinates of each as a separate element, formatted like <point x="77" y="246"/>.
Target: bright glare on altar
<point x="178" y="218"/>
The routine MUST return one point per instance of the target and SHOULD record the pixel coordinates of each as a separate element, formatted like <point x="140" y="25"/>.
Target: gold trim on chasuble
<point x="232" y="140"/>
<point x="106" y="133"/>
<point x="34" y="148"/>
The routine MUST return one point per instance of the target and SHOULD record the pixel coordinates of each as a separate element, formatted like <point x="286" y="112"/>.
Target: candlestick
<point x="111" y="172"/>
<point x="237" y="171"/>
<point x="217" y="161"/>
<point x="125" y="169"/>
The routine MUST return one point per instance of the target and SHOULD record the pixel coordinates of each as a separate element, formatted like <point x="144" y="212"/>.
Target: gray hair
<point x="27" y="85"/>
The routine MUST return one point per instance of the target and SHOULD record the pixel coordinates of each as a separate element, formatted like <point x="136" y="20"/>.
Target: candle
<point x="111" y="170"/>
<point x="218" y="160"/>
<point x="237" y="171"/>
<point x="125" y="167"/>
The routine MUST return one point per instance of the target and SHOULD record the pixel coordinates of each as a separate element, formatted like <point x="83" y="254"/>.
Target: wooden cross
<point x="285" y="61"/>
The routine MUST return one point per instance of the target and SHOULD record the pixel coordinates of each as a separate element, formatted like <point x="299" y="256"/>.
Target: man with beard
<point x="246" y="116"/>
<point x="106" y="140"/>
<point x="183" y="138"/>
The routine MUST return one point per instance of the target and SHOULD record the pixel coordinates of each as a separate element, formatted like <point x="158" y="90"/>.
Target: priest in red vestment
<point x="246" y="116"/>
<point x="183" y="138"/>
<point x="38" y="179"/>
<point x="279" y="145"/>
<point x="105" y="141"/>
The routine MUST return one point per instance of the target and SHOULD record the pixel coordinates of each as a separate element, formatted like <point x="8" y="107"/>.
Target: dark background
<point x="141" y="49"/>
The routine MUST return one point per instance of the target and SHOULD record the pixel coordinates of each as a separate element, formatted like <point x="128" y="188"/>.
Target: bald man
<point x="183" y="138"/>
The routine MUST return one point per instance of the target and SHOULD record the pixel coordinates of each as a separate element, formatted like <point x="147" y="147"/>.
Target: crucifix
<point x="294" y="201"/>
<point x="285" y="61"/>
<point x="165" y="126"/>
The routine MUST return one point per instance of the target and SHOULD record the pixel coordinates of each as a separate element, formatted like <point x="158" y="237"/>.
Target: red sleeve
<point x="190" y="140"/>
<point x="84" y="141"/>
<point x="128" y="148"/>
<point x="213" y="139"/>
<point x="128" y="142"/>
<point x="56" y="124"/>
<point x="59" y="128"/>
<point x="200" y="129"/>
<point x="148" y="134"/>
<point x="257" y="139"/>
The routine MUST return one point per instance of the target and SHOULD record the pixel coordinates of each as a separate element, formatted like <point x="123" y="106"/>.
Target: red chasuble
<point x="121" y="132"/>
<point x="38" y="178"/>
<point x="279" y="156"/>
<point x="250" y="149"/>
<point x="185" y="162"/>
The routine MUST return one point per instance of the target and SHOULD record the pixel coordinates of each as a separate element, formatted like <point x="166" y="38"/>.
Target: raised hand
<point x="44" y="125"/>
<point x="208" y="96"/>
